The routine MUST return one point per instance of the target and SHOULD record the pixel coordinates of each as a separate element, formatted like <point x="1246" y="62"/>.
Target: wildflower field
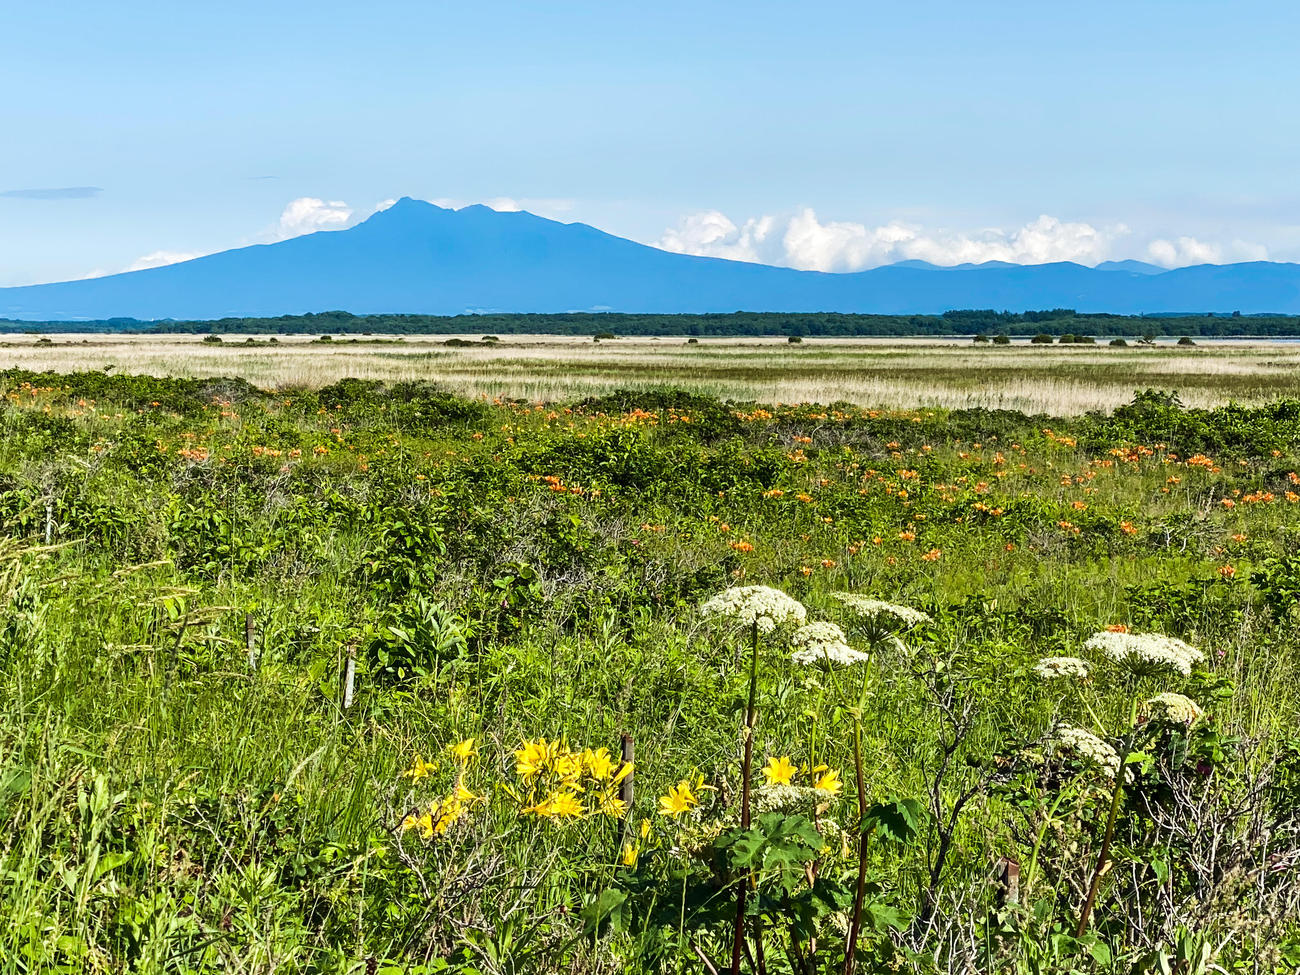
<point x="374" y="678"/>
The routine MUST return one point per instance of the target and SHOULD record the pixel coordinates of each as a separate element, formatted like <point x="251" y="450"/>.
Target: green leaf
<point x="14" y="783"/>
<point x="609" y="909"/>
<point x="109" y="862"/>
<point x="896" y="822"/>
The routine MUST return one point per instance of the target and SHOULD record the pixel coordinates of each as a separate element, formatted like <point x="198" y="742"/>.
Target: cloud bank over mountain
<point x="803" y="240"/>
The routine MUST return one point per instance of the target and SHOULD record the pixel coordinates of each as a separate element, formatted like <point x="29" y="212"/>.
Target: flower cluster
<point x="1173" y="708"/>
<point x="782" y="771"/>
<point x="1084" y="745"/>
<point x="758" y="606"/>
<point x="818" y="643"/>
<point x="444" y="812"/>
<point x="881" y="612"/>
<point x="1146" y="652"/>
<point x="1072" y="667"/>
<point x="559" y="782"/>
<point x="780" y="793"/>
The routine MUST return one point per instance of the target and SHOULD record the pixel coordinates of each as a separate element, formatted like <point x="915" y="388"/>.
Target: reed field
<point x="543" y="658"/>
<point x="1057" y="380"/>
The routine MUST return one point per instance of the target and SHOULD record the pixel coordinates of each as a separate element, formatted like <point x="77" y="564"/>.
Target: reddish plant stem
<point x="751" y="717"/>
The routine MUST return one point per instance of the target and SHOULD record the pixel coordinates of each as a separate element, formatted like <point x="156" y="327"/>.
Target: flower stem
<point x="742" y="884"/>
<point x="1104" y="854"/>
<point x="856" y="923"/>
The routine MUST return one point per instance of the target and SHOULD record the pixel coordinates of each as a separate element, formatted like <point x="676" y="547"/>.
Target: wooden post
<point x="350" y="676"/>
<point x="626" y="790"/>
<point x="1006" y="878"/>
<point x="250" y="641"/>
<point x="49" y="521"/>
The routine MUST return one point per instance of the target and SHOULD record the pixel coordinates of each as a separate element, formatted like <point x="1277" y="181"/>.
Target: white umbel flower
<point x="1146" y="653"/>
<point x="756" y="605"/>
<point x="1086" y="746"/>
<point x="782" y="797"/>
<point x="881" y="612"/>
<point x="818" y="643"/>
<point x="1174" y="708"/>
<point x="1051" y="667"/>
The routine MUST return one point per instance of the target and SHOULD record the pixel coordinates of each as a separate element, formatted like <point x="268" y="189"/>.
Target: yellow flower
<point x="599" y="764"/>
<point x="679" y="799"/>
<point x="568" y="766"/>
<point x="630" y="853"/>
<point x="611" y="805"/>
<point x="463" y="750"/>
<point x="645" y="828"/>
<point x="534" y="757"/>
<point x="779" y="771"/>
<point x="449" y="810"/>
<point x="566" y="804"/>
<point x="420" y="769"/>
<point x="423" y="823"/>
<point x="557" y="805"/>
<point x="463" y="794"/>
<point x="829" y="782"/>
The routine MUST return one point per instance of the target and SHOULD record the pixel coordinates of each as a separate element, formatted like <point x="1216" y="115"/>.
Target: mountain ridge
<point x="418" y="258"/>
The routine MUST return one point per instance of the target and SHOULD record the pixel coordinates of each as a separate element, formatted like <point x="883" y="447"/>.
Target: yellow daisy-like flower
<point x="779" y="771"/>
<point x="630" y="853"/>
<point x="423" y="823"/>
<point x="565" y="804"/>
<point x="611" y="805"/>
<point x="464" y="794"/>
<point x="679" y="799"/>
<point x="829" y="781"/>
<point x="568" y="766"/>
<point x="448" y="812"/>
<point x="599" y="763"/>
<point x="557" y="805"/>
<point x="420" y="769"/>
<point x="534" y="757"/>
<point x="463" y="750"/>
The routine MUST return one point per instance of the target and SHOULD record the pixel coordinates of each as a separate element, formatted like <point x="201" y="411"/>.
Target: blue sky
<point x="829" y="135"/>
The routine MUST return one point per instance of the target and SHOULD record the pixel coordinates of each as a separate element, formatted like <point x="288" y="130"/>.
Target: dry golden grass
<point x="867" y="372"/>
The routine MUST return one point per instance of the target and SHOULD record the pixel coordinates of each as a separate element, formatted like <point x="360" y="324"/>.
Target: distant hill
<point x="418" y="258"/>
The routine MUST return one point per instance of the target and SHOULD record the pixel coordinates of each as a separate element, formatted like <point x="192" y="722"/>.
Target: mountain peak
<point x="417" y="257"/>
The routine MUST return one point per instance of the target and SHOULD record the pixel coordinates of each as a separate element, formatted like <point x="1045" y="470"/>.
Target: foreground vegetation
<point x="373" y="678"/>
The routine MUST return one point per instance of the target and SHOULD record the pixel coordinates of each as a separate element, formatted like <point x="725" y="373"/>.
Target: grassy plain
<point x="187" y="568"/>
<point x="1057" y="380"/>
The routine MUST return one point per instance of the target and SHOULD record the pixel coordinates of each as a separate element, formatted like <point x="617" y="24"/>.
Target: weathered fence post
<point x="49" y="520"/>
<point x="250" y="641"/>
<point x="626" y="790"/>
<point x="350" y="676"/>
<point x="1006" y="877"/>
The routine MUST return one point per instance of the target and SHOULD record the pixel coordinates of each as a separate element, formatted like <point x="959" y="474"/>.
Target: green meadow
<point x="649" y="673"/>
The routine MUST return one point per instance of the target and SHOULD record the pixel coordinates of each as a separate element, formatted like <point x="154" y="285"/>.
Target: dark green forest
<point x="1055" y="321"/>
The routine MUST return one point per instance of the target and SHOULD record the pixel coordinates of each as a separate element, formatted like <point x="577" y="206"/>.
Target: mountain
<point x="419" y="258"/>
<point x="1135" y="267"/>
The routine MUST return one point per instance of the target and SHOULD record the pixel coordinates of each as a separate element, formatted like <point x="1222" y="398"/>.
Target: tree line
<point x="1054" y="321"/>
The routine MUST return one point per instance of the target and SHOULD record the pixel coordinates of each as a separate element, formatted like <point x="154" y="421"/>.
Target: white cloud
<point x="1184" y="251"/>
<point x="809" y="244"/>
<point x="802" y="240"/>
<point x="160" y="259"/>
<point x="542" y="206"/>
<point x="154" y="259"/>
<point x="307" y="214"/>
<point x="712" y="234"/>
